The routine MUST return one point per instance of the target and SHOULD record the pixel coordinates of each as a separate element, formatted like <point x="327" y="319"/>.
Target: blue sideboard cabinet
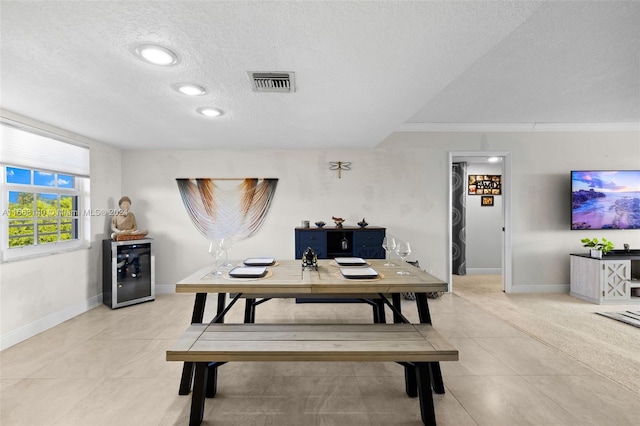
<point x="348" y="241"/>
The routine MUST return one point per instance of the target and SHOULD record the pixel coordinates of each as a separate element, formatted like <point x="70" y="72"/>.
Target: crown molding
<point x="519" y="127"/>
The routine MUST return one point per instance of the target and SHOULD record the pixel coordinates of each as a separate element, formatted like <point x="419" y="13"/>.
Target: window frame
<point x="80" y="190"/>
<point x="36" y="219"/>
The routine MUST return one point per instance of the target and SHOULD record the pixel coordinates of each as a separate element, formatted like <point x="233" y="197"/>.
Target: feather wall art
<point x="224" y="208"/>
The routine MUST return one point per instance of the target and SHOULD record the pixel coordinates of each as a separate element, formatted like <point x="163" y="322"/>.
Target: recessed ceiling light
<point x="156" y="55"/>
<point x="493" y="159"/>
<point x="190" y="89"/>
<point x="209" y="111"/>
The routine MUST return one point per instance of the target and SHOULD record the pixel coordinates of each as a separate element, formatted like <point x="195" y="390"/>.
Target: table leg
<point x="382" y="315"/>
<point x="427" y="409"/>
<point x="187" y="368"/>
<point x="395" y="299"/>
<point x="212" y="380"/>
<point x="222" y="302"/>
<point x="249" y="311"/>
<point x="410" y="384"/>
<point x="198" y="397"/>
<point x="425" y="318"/>
<point x="198" y="308"/>
<point x="212" y="370"/>
<point x="423" y="308"/>
<point x="436" y="377"/>
<point x="379" y="316"/>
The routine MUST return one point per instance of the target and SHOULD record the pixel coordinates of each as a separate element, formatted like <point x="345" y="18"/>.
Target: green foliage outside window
<point x="40" y="218"/>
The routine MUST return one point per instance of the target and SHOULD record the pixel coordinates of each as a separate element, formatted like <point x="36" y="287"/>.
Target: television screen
<point x="605" y="199"/>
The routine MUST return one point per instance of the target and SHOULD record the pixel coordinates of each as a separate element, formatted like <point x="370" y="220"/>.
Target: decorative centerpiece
<point x="320" y="224"/>
<point x="362" y="223"/>
<point x="338" y="221"/>
<point x="597" y="247"/>
<point x="309" y="259"/>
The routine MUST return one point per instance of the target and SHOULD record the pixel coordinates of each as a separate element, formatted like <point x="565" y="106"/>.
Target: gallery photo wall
<point x="485" y="185"/>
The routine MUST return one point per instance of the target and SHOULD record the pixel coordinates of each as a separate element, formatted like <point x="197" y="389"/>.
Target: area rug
<point x="627" y="317"/>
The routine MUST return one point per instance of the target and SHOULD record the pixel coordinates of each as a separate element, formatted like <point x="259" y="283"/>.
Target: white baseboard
<point x="532" y="288"/>
<point x="583" y="297"/>
<point x="25" y="332"/>
<point x="484" y="271"/>
<point x="166" y="289"/>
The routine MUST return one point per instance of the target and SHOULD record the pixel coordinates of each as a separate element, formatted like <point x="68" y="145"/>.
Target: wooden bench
<point x="210" y="345"/>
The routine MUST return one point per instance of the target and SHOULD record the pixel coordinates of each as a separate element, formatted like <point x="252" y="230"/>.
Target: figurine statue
<point x="309" y="259"/>
<point x="338" y="221"/>
<point x="124" y="224"/>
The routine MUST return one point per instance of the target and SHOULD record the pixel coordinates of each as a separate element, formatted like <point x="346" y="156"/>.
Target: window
<point x="42" y="207"/>
<point x="44" y="194"/>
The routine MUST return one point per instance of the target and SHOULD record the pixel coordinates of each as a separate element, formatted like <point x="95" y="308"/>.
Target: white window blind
<point x="45" y="152"/>
<point x="22" y="148"/>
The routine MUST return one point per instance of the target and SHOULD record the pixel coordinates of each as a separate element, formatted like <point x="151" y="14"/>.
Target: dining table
<point x="290" y="278"/>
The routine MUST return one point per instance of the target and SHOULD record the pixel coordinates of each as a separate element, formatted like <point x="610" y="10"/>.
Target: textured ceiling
<point x="363" y="69"/>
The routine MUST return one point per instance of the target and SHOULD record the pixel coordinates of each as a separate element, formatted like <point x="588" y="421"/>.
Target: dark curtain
<point x="458" y="219"/>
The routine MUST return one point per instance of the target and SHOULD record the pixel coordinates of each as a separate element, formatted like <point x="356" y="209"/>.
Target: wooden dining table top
<point x="287" y="277"/>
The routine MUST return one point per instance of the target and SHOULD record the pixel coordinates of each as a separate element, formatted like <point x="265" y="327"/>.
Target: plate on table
<point x="360" y="273"/>
<point x="259" y="261"/>
<point x="350" y="261"/>
<point x="248" y="272"/>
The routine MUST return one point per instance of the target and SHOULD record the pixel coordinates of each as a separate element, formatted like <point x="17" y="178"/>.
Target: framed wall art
<point x="485" y="185"/>
<point x="486" y="201"/>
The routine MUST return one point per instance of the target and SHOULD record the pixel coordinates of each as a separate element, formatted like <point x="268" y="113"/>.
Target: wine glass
<point x="226" y="244"/>
<point x="215" y="251"/>
<point x="403" y="249"/>
<point x="389" y="245"/>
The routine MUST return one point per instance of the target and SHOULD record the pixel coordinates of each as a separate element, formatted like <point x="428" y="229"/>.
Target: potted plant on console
<point x="596" y="247"/>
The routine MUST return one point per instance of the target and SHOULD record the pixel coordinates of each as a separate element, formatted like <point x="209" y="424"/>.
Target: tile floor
<point x="107" y="367"/>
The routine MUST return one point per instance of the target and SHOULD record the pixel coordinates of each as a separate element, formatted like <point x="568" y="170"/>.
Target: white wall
<point x="39" y="293"/>
<point x="404" y="189"/>
<point x="388" y="188"/>
<point x="540" y="215"/>
<point x="484" y="226"/>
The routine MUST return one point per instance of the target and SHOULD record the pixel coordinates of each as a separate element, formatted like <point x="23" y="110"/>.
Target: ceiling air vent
<point x="283" y="82"/>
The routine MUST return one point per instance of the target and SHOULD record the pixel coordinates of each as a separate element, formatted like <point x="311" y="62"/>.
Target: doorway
<point x="479" y="157"/>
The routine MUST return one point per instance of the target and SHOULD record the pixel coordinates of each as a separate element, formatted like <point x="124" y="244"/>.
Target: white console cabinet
<point x="605" y="281"/>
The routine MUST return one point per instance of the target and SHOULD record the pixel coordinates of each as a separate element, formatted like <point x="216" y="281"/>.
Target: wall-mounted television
<point x="605" y="199"/>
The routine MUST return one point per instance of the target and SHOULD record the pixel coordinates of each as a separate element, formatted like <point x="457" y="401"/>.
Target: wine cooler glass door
<point x="133" y="272"/>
